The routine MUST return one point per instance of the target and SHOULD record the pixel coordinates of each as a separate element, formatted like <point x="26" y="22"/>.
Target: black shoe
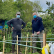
<point x="13" y="48"/>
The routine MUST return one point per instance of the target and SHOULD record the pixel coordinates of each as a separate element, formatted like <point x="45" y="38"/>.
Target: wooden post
<point x="4" y="31"/>
<point x="3" y="44"/>
<point x="17" y="43"/>
<point x="26" y="44"/>
<point x="31" y="44"/>
<point x="44" y="39"/>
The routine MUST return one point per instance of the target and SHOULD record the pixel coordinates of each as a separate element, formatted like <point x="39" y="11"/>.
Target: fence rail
<point x="44" y="41"/>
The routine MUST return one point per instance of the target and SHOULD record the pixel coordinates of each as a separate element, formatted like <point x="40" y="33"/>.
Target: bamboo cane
<point x="31" y="44"/>
<point x="17" y="43"/>
<point x="44" y="39"/>
<point x="26" y="44"/>
<point x="3" y="44"/>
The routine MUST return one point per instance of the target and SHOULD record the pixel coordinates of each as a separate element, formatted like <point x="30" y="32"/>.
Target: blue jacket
<point x="37" y="25"/>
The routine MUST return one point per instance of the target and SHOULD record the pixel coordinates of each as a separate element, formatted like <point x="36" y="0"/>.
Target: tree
<point x="1" y="6"/>
<point x="48" y="3"/>
<point x="36" y="6"/>
<point x="26" y="8"/>
<point x="9" y="10"/>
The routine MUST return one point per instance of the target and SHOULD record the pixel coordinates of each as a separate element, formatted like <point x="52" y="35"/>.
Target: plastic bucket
<point x="1" y="52"/>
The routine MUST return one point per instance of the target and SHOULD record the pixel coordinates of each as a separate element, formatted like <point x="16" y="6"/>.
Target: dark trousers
<point x="14" y="36"/>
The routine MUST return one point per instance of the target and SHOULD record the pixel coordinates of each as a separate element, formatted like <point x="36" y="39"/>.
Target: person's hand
<point x="12" y="28"/>
<point x="21" y="29"/>
<point x="38" y="32"/>
<point x="32" y="35"/>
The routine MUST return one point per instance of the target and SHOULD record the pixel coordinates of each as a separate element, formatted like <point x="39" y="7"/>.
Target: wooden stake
<point x="26" y="44"/>
<point x="3" y="44"/>
<point x="31" y="44"/>
<point x="17" y="43"/>
<point x="4" y="31"/>
<point x="44" y="39"/>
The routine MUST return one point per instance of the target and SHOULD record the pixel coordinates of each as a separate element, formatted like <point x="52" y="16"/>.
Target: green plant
<point x="1" y="44"/>
<point x="8" y="47"/>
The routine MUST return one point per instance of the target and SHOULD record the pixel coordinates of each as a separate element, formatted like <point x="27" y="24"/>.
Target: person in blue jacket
<point x="37" y="29"/>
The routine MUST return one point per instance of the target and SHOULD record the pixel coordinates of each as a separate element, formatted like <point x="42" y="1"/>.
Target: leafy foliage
<point x="10" y="7"/>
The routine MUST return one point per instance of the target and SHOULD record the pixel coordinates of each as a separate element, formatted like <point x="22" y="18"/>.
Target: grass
<point x="23" y="53"/>
<point x="22" y="48"/>
<point x="10" y="53"/>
